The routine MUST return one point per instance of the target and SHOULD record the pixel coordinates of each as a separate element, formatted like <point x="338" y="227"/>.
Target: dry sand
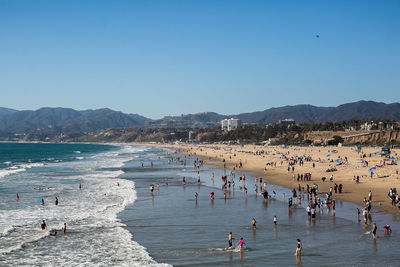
<point x="353" y="192"/>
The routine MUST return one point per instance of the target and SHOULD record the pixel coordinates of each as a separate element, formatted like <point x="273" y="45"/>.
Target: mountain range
<point x="66" y="120"/>
<point x="311" y="114"/>
<point x="361" y="110"/>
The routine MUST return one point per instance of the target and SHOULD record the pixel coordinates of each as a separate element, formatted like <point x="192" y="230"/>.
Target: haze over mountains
<point x="66" y="120"/>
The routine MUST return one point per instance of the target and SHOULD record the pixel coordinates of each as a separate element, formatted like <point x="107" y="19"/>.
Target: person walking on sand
<point x="299" y="247"/>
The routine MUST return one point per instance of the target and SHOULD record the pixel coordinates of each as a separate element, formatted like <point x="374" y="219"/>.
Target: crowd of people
<point x="314" y="202"/>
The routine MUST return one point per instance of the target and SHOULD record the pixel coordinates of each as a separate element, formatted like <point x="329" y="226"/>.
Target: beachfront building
<point x="230" y="124"/>
<point x="287" y="122"/>
<point x="224" y="125"/>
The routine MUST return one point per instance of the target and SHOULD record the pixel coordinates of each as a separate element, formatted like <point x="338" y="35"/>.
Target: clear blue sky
<point x="167" y="57"/>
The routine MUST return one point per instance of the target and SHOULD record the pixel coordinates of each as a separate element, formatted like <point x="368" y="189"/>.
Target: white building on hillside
<point x="230" y="124"/>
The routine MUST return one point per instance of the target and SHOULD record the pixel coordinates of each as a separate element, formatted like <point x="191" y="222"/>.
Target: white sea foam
<point x="96" y="237"/>
<point x="4" y="231"/>
<point x="18" y="168"/>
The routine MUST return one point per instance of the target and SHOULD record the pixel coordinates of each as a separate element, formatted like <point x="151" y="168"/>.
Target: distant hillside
<point x="6" y="111"/>
<point x="300" y="113"/>
<point x="47" y="123"/>
<point x="66" y="120"/>
<point x="312" y="114"/>
<point x="199" y="120"/>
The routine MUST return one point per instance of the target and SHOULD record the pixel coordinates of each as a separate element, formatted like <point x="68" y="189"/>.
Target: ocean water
<point x="114" y="220"/>
<point x="95" y="236"/>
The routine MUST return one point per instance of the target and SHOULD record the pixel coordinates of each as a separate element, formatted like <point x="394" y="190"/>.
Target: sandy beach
<point x="178" y="229"/>
<point x="268" y="162"/>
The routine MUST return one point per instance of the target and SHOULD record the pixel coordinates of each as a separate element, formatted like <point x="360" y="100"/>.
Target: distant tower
<point x="190" y="136"/>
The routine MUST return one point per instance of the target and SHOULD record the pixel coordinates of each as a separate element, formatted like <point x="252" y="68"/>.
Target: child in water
<point x="230" y="240"/>
<point x="241" y="243"/>
<point x="299" y="247"/>
<point x="253" y="223"/>
<point x="374" y="228"/>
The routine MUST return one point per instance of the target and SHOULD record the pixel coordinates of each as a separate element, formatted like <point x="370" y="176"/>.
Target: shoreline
<point x="352" y="192"/>
<point x="277" y="175"/>
<point x="200" y="226"/>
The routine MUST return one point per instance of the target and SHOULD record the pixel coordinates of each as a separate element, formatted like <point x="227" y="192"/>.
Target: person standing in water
<point x="275" y="220"/>
<point x="230" y="240"/>
<point x="253" y="223"/>
<point x="43" y="225"/>
<point x="17" y="197"/>
<point x="64" y="228"/>
<point x="299" y="247"/>
<point x="241" y="243"/>
<point x="374" y="228"/>
<point x="56" y="201"/>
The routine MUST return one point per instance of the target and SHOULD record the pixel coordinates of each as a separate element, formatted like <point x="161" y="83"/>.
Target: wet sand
<point x="178" y="230"/>
<point x="353" y="192"/>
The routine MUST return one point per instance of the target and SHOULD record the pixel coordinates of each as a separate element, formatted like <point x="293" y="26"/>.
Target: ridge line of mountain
<point x="68" y="120"/>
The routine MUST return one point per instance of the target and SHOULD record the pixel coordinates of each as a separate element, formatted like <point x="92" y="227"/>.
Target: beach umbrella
<point x="373" y="168"/>
<point x="391" y="158"/>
